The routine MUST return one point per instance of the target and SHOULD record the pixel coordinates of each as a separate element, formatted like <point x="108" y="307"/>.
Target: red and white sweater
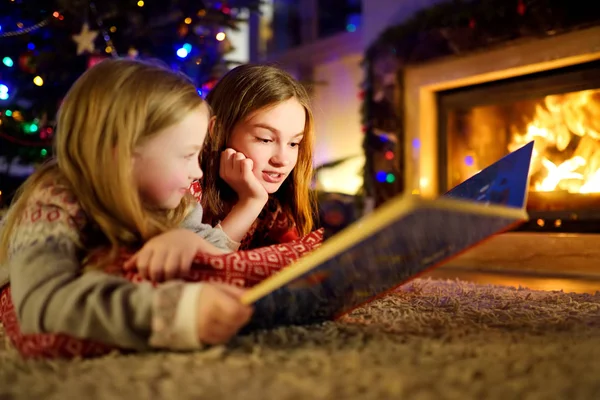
<point x="52" y="294"/>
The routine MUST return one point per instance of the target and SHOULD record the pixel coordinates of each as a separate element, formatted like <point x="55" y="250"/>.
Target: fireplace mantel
<point x="423" y="81"/>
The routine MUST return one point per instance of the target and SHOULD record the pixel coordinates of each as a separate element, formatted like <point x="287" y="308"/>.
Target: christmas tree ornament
<point x="521" y="8"/>
<point x="85" y="40"/>
<point x="27" y="62"/>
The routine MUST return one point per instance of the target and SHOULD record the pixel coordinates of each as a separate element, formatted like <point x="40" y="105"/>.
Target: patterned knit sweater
<point x="52" y="294"/>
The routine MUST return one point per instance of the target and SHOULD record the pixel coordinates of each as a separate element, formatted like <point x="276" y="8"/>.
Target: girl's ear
<point x="211" y="125"/>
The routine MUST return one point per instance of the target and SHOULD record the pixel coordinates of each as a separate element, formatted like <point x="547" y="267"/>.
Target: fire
<point x="566" y="155"/>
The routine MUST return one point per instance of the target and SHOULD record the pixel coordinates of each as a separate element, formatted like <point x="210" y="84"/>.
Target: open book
<point x="400" y="240"/>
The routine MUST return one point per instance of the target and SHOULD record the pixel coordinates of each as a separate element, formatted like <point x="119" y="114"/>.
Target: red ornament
<point x="27" y="62"/>
<point x="95" y="59"/>
<point x="521" y="8"/>
<point x="209" y="85"/>
<point x="334" y="218"/>
<point x="472" y="23"/>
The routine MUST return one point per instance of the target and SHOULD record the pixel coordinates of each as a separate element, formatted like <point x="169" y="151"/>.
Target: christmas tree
<point x="45" y="45"/>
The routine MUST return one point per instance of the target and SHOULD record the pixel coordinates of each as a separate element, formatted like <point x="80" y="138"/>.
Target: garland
<point x="451" y="28"/>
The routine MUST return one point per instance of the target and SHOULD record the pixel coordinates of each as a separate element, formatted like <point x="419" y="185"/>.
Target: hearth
<point x="560" y="110"/>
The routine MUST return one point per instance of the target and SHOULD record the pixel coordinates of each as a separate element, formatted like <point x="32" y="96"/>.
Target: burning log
<point x="561" y="200"/>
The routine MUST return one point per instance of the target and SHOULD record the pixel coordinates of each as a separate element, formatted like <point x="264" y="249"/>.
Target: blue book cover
<point x="504" y="182"/>
<point x="397" y="242"/>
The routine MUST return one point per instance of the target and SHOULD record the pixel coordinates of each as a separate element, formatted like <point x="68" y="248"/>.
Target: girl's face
<point x="166" y="165"/>
<point x="271" y="138"/>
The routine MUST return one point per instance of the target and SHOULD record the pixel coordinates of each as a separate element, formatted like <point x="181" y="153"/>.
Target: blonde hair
<point x="110" y="110"/>
<point x="240" y="93"/>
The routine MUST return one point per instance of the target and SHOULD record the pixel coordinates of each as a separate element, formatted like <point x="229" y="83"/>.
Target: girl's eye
<point x="190" y="155"/>
<point x="294" y="144"/>
<point x="264" y="140"/>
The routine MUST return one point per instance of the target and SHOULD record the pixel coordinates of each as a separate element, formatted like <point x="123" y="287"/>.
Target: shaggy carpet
<point x="431" y="339"/>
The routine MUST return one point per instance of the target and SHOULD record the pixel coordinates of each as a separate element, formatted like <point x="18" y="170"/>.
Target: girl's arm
<point x="217" y="236"/>
<point x="51" y="294"/>
<point x="241" y="217"/>
<point x="235" y="225"/>
<point x="236" y="170"/>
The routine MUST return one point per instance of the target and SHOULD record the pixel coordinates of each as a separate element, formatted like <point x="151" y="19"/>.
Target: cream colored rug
<point x="430" y="340"/>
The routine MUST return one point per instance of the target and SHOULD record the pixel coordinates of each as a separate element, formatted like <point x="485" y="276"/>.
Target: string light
<point x="184" y="50"/>
<point x="182" y="53"/>
<point x="23" y="31"/>
<point x="188" y="20"/>
<point x="221" y="36"/>
<point x="110" y="48"/>
<point x="30" y="128"/>
<point x="140" y="3"/>
<point x="4" y="92"/>
<point x="386" y="177"/>
<point x="38" y="81"/>
<point x="389" y="155"/>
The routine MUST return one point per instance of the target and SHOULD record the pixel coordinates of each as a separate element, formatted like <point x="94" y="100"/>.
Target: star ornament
<point x="85" y="40"/>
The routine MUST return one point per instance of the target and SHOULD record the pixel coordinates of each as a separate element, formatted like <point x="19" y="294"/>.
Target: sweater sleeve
<point x="213" y="235"/>
<point x="52" y="295"/>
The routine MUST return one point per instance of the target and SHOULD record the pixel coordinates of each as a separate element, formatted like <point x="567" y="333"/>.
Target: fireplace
<point x="461" y="113"/>
<point x="560" y="110"/>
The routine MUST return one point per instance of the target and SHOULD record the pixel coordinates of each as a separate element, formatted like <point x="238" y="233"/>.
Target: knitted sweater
<point x="52" y="294"/>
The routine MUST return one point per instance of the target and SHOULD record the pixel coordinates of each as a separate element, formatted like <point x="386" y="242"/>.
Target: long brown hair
<point x="110" y="110"/>
<point x="241" y="92"/>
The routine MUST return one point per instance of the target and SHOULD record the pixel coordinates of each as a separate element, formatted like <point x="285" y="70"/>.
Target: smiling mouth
<point x="273" y="177"/>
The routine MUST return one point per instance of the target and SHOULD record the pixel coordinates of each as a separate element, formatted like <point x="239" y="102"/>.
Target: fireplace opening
<point x="560" y="111"/>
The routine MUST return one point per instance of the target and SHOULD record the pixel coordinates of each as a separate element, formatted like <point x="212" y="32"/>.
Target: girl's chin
<point x="271" y="187"/>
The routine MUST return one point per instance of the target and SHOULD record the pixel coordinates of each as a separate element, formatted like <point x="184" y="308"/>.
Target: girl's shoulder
<point x="55" y="196"/>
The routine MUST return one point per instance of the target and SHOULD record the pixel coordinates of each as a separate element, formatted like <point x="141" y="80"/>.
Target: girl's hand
<point x="236" y="170"/>
<point x="220" y="313"/>
<point x="169" y="255"/>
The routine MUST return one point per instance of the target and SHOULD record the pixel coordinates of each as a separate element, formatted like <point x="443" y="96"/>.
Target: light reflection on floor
<point x="534" y="283"/>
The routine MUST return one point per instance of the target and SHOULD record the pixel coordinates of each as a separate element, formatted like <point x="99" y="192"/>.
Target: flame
<point x="566" y="155"/>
